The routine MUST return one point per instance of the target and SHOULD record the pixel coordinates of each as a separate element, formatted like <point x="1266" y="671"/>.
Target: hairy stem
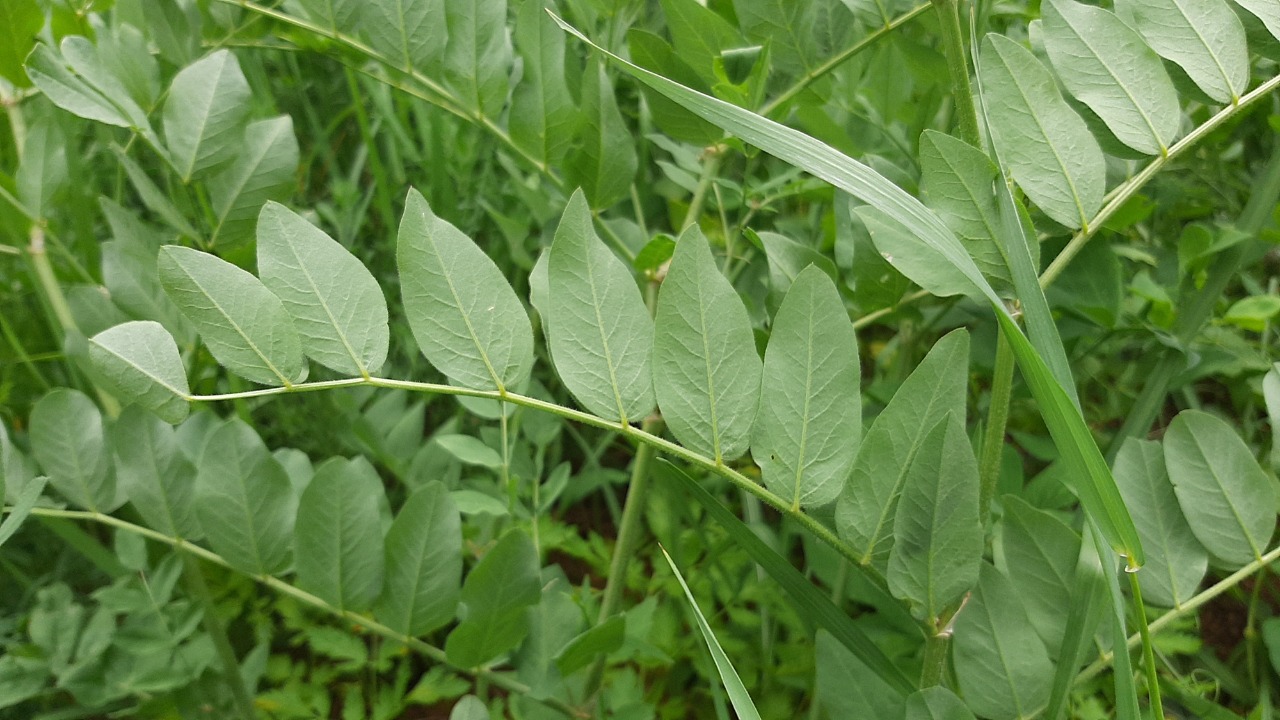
<point x="958" y="64"/>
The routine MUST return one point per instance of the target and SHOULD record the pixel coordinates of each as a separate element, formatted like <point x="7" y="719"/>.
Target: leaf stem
<point x="423" y="648"/>
<point x="935" y="659"/>
<point x="1148" y="654"/>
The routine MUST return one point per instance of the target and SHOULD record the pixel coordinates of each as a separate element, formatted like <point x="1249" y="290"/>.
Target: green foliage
<point x="281" y="437"/>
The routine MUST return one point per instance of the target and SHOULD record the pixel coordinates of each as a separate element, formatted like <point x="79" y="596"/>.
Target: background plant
<point x="241" y="204"/>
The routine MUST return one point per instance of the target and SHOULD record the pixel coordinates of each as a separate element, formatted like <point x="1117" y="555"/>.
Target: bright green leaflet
<point x="494" y="600"/>
<point x="738" y="694"/>
<point x="154" y="474"/>
<point x="411" y="33"/>
<point x="19" y="23"/>
<point x="469" y="450"/>
<point x="586" y="647"/>
<point x="1226" y="497"/>
<point x="937" y="703"/>
<point x="129" y="274"/>
<point x="205" y="113"/>
<point x="243" y="324"/>
<point x="1003" y="669"/>
<point x="1176" y="561"/>
<point x="1203" y="37"/>
<point x="604" y="161"/>
<point x="49" y="72"/>
<point x="43" y="173"/>
<point x="956" y="180"/>
<point x="1105" y="64"/>
<point x="902" y="249"/>
<point x="423" y="564"/>
<point x="477" y="58"/>
<point x="699" y="35"/>
<point x="937" y="537"/>
<point x="1266" y="11"/>
<point x="336" y="15"/>
<point x="936" y="388"/>
<point x="139" y="362"/>
<point x="706" y="370"/>
<point x="262" y="170"/>
<point x="845" y="687"/>
<point x="809" y="424"/>
<point x="600" y="331"/>
<point x="338" y="535"/>
<point x="1046" y="145"/>
<point x="787" y="27"/>
<point x="470" y="707"/>
<point x="787" y="258"/>
<point x="244" y="501"/>
<point x="69" y="442"/>
<point x="336" y="305"/>
<point x="124" y="51"/>
<point x="542" y="113"/>
<point x="464" y="315"/>
<point x="153" y="197"/>
<point x="83" y="59"/>
<point x="22" y="506"/>
<point x="1042" y="552"/>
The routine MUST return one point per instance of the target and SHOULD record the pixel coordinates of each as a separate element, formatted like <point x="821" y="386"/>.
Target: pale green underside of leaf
<point x="937" y="537"/>
<point x="937" y="703"/>
<point x="205" y="112"/>
<point x="1266" y="11"/>
<point x="336" y="305"/>
<point x="262" y="170"/>
<point x="423" y="564"/>
<point x="1225" y="496"/>
<point x="787" y="258"/>
<point x="738" y="695"/>
<point x="1042" y="552"/>
<point x="604" y="161"/>
<point x="809" y="424"/>
<point x="1002" y="667"/>
<point x="865" y="513"/>
<point x="1106" y="65"/>
<point x="338" y="535"/>
<point x="601" y="333"/>
<point x="706" y="370"/>
<point x="154" y="474"/>
<point x="68" y="441"/>
<point x="139" y="362"/>
<point x="1203" y="37"/>
<point x="244" y="501"/>
<point x="463" y="313"/>
<point x="50" y="74"/>
<point x="130" y="276"/>
<point x="1048" y="148"/>
<point x="243" y="324"/>
<point x="1176" y="561"/>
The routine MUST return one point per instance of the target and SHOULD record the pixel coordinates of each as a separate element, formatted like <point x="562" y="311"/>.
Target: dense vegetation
<point x="457" y="358"/>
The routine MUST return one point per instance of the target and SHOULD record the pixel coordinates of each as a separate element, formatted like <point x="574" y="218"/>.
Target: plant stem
<point x="1148" y="654"/>
<point x="997" y="419"/>
<point x="196" y="585"/>
<point x="423" y="648"/>
<point x="958" y="64"/>
<point x="709" y="169"/>
<point x="935" y="659"/>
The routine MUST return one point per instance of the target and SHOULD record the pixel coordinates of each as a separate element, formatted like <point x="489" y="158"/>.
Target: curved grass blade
<point x="336" y="305"/>
<point x="810" y="602"/>
<point x="738" y="694"/>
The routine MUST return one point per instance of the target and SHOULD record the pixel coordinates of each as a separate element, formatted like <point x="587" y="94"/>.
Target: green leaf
<point x="477" y="58"/>
<point x="787" y="258"/>
<point x="155" y="199"/>
<point x="956" y="181"/>
<point x="243" y="324"/>
<point x="470" y="450"/>
<point x="139" y="363"/>
<point x="706" y="370"/>
<point x="920" y="262"/>
<point x="244" y="500"/>
<point x="154" y="474"/>
<point x="1266" y="11"/>
<point x="1105" y="64"/>
<point x="699" y="35"/>
<point x="1254" y="312"/>
<point x="1048" y="149"/>
<point x="464" y="315"/>
<point x="205" y="113"/>
<point x="338" y="535"/>
<point x="788" y="28"/>
<point x="1042" y="552"/>
<point x="51" y="74"/>
<point x="591" y="644"/>
<point x="423" y="564"/>
<point x="937" y="537"/>
<point x="22" y="678"/>
<point x="83" y="59"/>
<point x="262" y="170"/>
<point x="68" y="441"/>
<point x="600" y="331"/>
<point x="937" y="703"/>
<point x="469" y="707"/>
<point x="337" y="15"/>
<point x="738" y="695"/>
<point x="810" y="602"/>
<point x="410" y="33"/>
<point x="19" y="23"/>
<point x="542" y="110"/>
<point x="1271" y="395"/>
<point x="846" y="687"/>
<point x="1002" y="667"/>
<point x="22" y="506"/>
<point x="654" y="53"/>
<point x="1225" y="496"/>
<point x="866" y="510"/>
<point x="336" y="305"/>
<point x="1176" y="561"/>
<point x="809" y="423"/>
<point x="493" y="602"/>
<point x="1203" y="37"/>
<point x="130" y="275"/>
<point x="604" y="163"/>
<point x="42" y="175"/>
